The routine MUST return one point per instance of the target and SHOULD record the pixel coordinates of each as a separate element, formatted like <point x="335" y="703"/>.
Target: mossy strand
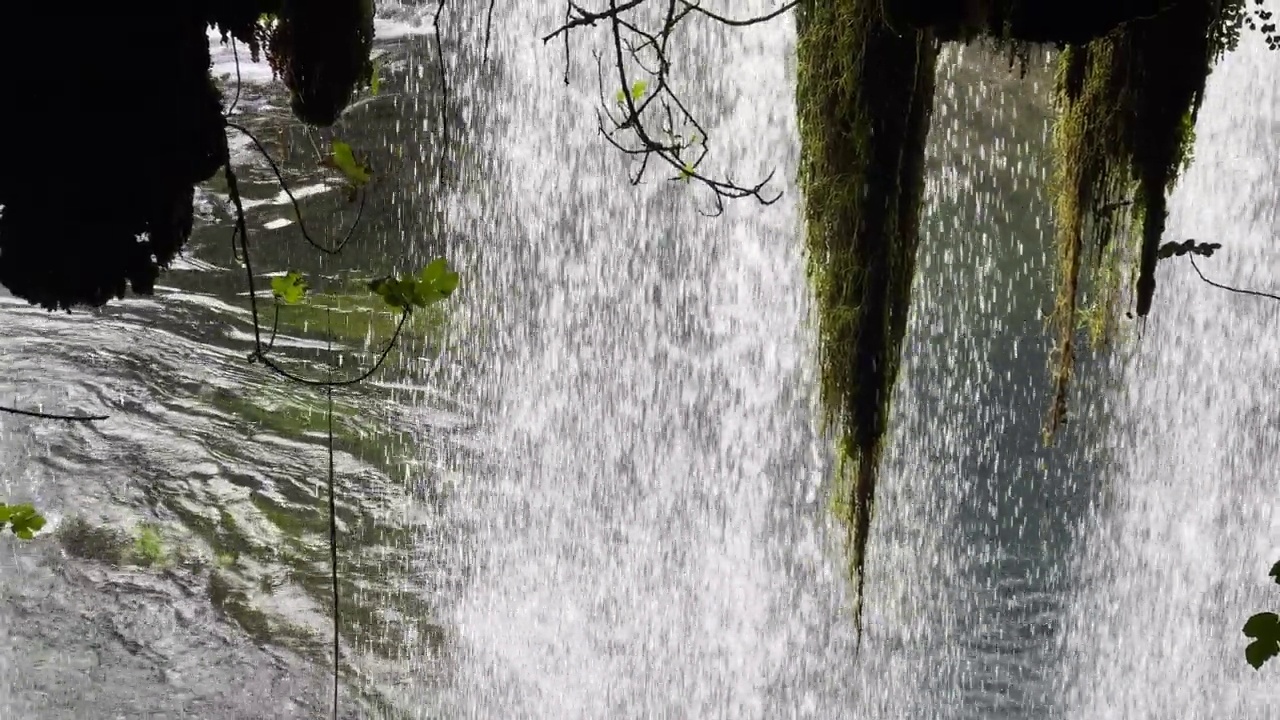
<point x="864" y="99"/>
<point x="1127" y="105"/>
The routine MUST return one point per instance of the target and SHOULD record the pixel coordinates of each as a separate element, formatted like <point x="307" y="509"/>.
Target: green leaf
<point x="395" y="292"/>
<point x="5" y="512"/>
<point x="24" y="521"/>
<point x="437" y="276"/>
<point x="343" y="160"/>
<point x="433" y="283"/>
<point x="289" y="288"/>
<point x="638" y="89"/>
<point x="1265" y="629"/>
<point x="1258" y="652"/>
<point x="1262" y="625"/>
<point x="686" y="172"/>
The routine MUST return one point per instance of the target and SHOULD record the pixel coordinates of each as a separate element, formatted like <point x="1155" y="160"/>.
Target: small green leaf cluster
<point x="1264" y="630"/>
<point x="148" y="547"/>
<point x="434" y="283"/>
<point x="289" y="288"/>
<point x="343" y="159"/>
<point x="1178" y="249"/>
<point x="638" y="89"/>
<point x="23" y="520"/>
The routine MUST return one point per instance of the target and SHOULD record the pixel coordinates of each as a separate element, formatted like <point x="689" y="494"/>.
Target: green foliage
<point x="1178" y="249"/>
<point x="148" y="547"/>
<point x="343" y="159"/>
<point x="1264" y="629"/>
<point x="289" y="288"/>
<point x="638" y="89"/>
<point x="434" y="283"/>
<point x="23" y="520"/>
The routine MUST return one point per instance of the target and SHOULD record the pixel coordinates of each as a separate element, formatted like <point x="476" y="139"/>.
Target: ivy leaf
<point x="23" y="520"/>
<point x="1265" y="629"/>
<point x="433" y="283"/>
<point x="289" y="288"/>
<point x="437" y="276"/>
<point x="343" y="160"/>
<point x="393" y="292"/>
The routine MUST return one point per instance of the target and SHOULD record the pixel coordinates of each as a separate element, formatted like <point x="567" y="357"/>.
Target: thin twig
<point x="333" y="521"/>
<point x="235" y="54"/>
<point x="648" y="49"/>
<point x="297" y="209"/>
<point x="693" y="7"/>
<point x="444" y="89"/>
<point x="488" y="28"/>
<point x="50" y="416"/>
<point x="382" y="356"/>
<point x="1228" y="288"/>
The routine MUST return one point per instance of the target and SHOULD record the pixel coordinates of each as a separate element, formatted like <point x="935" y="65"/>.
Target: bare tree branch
<point x="648" y="119"/>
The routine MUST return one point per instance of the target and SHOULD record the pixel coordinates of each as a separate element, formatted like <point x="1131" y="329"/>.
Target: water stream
<point x="592" y="486"/>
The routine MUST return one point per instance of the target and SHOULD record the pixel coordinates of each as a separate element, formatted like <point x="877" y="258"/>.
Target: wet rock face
<point x="106" y="136"/>
<point x="1021" y="20"/>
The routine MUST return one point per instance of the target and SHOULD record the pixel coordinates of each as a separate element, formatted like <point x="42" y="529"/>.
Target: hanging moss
<point x="1127" y="105"/>
<point x="1024" y="20"/>
<point x="320" y="49"/>
<point x="864" y="98"/>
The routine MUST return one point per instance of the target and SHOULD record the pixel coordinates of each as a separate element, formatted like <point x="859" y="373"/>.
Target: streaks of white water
<point x="633" y="564"/>
<point x="1177" y="559"/>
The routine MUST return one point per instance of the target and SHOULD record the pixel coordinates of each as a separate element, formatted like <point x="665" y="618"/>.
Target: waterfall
<point x="1175" y="558"/>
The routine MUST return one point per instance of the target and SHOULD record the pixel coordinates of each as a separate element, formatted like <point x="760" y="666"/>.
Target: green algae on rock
<point x="864" y="98"/>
